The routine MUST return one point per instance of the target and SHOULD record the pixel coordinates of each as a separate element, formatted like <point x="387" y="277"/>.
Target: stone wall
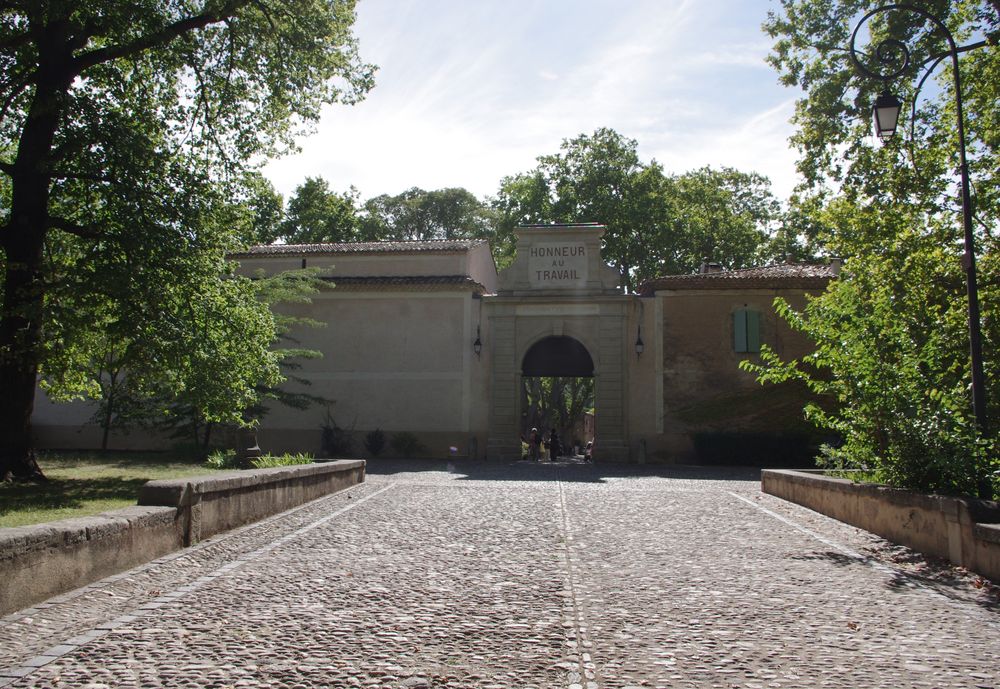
<point x="42" y="560"/>
<point x="965" y="531"/>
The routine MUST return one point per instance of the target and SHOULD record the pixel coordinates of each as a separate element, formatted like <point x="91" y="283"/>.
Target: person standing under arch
<point x="555" y="447"/>
<point x="534" y="444"/>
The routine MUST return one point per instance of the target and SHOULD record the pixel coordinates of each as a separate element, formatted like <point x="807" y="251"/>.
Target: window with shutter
<point x="746" y="331"/>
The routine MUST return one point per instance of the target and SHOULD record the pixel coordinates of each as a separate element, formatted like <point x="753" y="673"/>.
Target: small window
<point x="746" y="331"/>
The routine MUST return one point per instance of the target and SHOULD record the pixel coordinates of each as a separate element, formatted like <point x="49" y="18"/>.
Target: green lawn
<point x="82" y="484"/>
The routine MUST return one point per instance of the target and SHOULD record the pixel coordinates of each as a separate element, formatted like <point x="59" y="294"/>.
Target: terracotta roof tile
<point x="422" y="283"/>
<point x="779" y="276"/>
<point x="428" y="246"/>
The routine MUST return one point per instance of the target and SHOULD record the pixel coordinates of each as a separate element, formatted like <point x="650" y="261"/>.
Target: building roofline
<point x="777" y="276"/>
<point x="416" y="283"/>
<point x="433" y="246"/>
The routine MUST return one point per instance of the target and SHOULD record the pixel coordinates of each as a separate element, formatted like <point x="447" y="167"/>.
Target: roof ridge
<point x="776" y="274"/>
<point x="384" y="246"/>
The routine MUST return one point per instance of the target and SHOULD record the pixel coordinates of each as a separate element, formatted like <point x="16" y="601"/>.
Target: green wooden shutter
<point x="753" y="331"/>
<point x="740" y="330"/>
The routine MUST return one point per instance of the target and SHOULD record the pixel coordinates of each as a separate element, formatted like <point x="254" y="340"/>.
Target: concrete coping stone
<point x="988" y="532"/>
<point x="20" y="540"/>
<point x="183" y="491"/>
<point x="980" y="510"/>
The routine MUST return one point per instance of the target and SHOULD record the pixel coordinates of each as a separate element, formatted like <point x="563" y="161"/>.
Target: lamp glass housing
<point x="885" y="113"/>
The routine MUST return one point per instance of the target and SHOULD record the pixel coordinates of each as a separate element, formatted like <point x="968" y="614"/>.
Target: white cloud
<point x="470" y="92"/>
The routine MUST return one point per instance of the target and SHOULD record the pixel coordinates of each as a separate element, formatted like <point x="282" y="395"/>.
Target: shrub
<point x="892" y="355"/>
<point x="375" y="442"/>
<point x="221" y="459"/>
<point x="405" y="444"/>
<point x="287" y="459"/>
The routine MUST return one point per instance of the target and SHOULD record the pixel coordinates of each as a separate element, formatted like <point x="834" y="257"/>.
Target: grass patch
<point x="84" y="484"/>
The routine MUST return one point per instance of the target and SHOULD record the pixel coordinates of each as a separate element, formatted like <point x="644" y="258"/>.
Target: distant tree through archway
<point x="557" y="388"/>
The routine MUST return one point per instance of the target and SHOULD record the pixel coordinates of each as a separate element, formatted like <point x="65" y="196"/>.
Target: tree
<point x="264" y="208"/>
<point x="278" y="290"/>
<point x="317" y="215"/>
<point x="137" y="335"/>
<point x="892" y="343"/>
<point x="726" y="216"/>
<point x="554" y="402"/>
<point x="116" y="125"/>
<point x="416" y="214"/>
<point x="656" y="224"/>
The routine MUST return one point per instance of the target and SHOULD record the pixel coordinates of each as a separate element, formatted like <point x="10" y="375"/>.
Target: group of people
<point x="539" y="445"/>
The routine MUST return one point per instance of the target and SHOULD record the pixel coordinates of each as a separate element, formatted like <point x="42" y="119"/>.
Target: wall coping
<point x="183" y="491"/>
<point x="41" y="560"/>
<point x="964" y="530"/>
<point x="17" y="541"/>
<point x="986" y="511"/>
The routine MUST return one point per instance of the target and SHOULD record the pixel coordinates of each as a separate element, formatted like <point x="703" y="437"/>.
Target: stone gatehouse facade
<point x="426" y="337"/>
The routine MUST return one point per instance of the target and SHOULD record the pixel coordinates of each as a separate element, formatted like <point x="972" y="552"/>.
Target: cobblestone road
<point x="523" y="576"/>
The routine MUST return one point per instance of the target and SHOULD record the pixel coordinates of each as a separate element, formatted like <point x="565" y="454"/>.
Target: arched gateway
<point x="558" y="311"/>
<point x="558" y="355"/>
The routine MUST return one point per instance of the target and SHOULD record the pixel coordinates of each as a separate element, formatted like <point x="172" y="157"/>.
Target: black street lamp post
<point x="893" y="57"/>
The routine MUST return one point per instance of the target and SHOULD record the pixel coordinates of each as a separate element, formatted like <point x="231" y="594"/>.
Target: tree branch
<point x="16" y="90"/>
<point x="75" y="229"/>
<point x="161" y="37"/>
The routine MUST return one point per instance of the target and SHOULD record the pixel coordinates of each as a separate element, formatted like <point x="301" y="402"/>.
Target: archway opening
<point x="557" y="396"/>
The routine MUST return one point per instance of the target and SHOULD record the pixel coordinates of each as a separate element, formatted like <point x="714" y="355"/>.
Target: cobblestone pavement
<point x="523" y="575"/>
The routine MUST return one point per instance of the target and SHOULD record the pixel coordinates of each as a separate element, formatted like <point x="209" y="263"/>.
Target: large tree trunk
<point x="19" y="339"/>
<point x="23" y="239"/>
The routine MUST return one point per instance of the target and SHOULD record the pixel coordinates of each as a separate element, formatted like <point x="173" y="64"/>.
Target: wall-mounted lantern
<point x="477" y="346"/>
<point x="639" y="346"/>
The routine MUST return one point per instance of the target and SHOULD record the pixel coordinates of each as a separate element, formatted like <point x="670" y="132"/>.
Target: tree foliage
<point x="416" y="214"/>
<point x="891" y="334"/>
<point x="557" y="403"/>
<point x="138" y="335"/>
<point x="316" y="214"/>
<point x="657" y="224"/>
<point x="121" y="128"/>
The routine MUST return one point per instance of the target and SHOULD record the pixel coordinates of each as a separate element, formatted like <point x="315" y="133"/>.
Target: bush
<point x="221" y="459"/>
<point x="287" y="459"/>
<point x="375" y="442"/>
<point x="405" y="444"/>
<point x="892" y="353"/>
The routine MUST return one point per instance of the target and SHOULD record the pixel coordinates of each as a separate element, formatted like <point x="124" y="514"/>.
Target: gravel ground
<point x="523" y="575"/>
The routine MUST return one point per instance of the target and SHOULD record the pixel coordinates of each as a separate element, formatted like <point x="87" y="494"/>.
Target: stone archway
<point x="557" y="388"/>
<point x="558" y="355"/>
<point x="558" y="308"/>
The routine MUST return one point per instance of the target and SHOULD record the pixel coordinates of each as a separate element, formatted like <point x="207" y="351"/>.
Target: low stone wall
<point x="965" y="531"/>
<point x="42" y="560"/>
<point x="207" y="505"/>
<point x="39" y="561"/>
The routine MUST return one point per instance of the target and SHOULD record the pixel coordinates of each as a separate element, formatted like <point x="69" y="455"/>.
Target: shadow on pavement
<point x="928" y="572"/>
<point x="567" y="469"/>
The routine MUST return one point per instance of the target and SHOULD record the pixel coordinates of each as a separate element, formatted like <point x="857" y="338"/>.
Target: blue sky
<point x="469" y="91"/>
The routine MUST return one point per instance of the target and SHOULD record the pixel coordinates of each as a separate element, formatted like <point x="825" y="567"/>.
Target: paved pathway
<point x="523" y="576"/>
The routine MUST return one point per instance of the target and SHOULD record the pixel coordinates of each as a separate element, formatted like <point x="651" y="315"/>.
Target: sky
<point x="470" y="91"/>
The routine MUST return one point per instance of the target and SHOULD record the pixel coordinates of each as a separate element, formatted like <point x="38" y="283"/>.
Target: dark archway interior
<point x="558" y="356"/>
